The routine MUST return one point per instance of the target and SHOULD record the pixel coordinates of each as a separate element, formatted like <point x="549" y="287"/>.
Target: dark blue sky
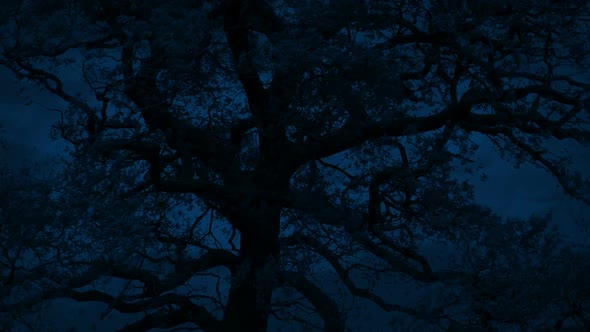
<point x="515" y="192"/>
<point x="25" y="122"/>
<point x="511" y="192"/>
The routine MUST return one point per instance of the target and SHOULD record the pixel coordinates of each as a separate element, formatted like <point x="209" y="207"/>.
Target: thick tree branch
<point x="537" y="157"/>
<point x="344" y="276"/>
<point x="324" y="304"/>
<point x="210" y="259"/>
<point x="353" y="134"/>
<point x="187" y="312"/>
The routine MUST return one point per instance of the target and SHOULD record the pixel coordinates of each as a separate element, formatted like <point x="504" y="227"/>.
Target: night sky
<point x="510" y="192"/>
<point x="26" y="117"/>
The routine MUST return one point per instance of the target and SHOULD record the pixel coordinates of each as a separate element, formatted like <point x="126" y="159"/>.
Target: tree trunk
<point x="258" y="220"/>
<point x="248" y="304"/>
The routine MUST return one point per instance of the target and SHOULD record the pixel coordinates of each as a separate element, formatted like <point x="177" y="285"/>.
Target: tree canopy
<point x="261" y="145"/>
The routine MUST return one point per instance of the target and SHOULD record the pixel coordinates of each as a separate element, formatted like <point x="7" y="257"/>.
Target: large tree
<point x="315" y="133"/>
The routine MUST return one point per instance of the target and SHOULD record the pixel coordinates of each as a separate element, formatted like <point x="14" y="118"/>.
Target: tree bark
<point x="248" y="304"/>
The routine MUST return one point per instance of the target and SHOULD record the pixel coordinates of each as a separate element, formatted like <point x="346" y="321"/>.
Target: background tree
<point x="316" y="134"/>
